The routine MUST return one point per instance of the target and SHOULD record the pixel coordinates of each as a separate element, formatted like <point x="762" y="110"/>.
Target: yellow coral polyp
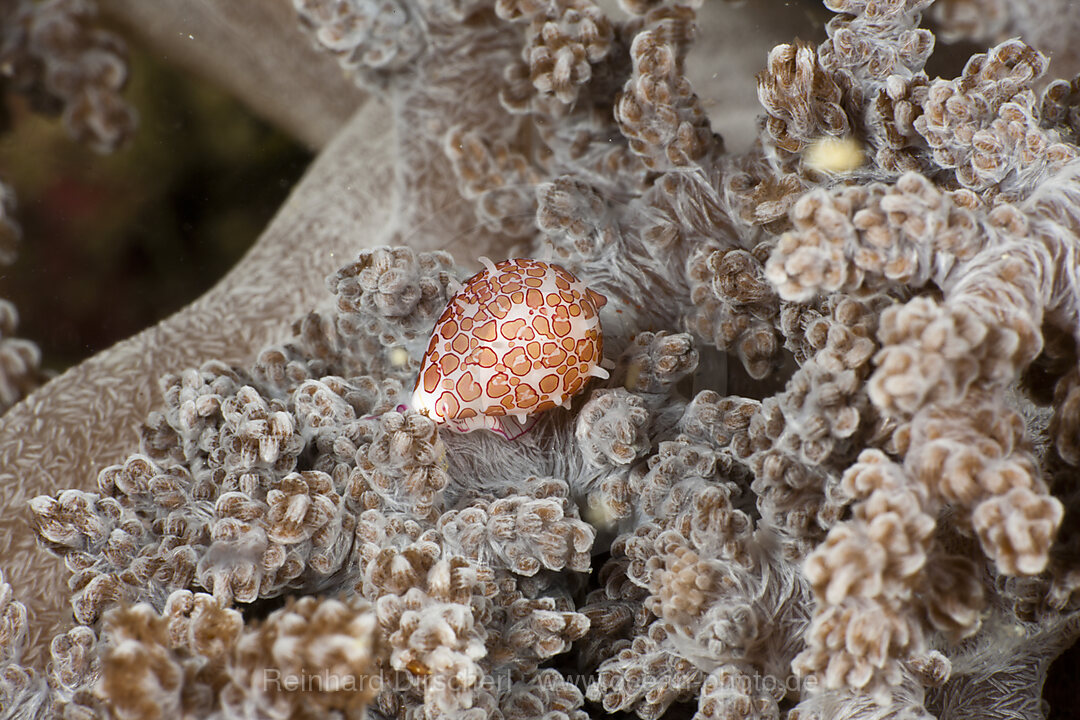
<point x="834" y="155"/>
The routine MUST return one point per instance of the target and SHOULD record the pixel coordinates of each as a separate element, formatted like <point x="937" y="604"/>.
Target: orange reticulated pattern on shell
<point x="519" y="338"/>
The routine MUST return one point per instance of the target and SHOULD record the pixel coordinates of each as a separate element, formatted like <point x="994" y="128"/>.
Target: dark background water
<point x="113" y="243"/>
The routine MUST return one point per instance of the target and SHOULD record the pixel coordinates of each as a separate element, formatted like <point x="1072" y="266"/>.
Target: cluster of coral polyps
<point x="882" y="525"/>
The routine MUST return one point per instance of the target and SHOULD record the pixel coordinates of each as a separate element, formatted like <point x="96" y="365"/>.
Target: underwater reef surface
<point x="832" y="474"/>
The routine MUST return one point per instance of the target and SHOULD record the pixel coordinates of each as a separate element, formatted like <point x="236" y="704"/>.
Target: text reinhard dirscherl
<point x="325" y="681"/>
